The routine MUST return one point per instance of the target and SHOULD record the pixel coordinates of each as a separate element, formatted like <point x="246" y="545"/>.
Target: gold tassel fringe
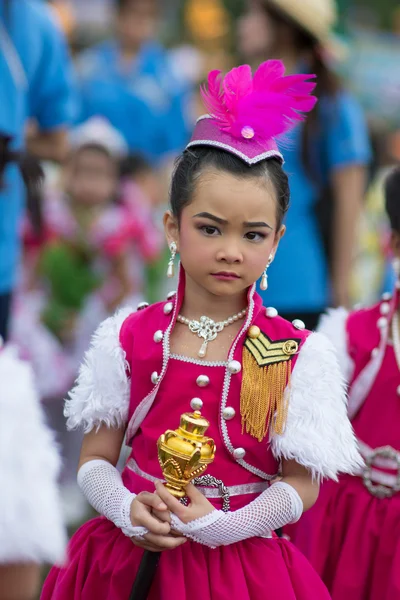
<point x="263" y="402"/>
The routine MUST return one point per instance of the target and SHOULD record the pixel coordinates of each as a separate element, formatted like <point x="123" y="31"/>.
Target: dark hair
<point x="194" y="161"/>
<point x="135" y="165"/>
<point x="32" y="175"/>
<point x="392" y="198"/>
<point x="328" y="83"/>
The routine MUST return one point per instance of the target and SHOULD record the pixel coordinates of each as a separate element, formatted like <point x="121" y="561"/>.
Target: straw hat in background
<point x="316" y="17"/>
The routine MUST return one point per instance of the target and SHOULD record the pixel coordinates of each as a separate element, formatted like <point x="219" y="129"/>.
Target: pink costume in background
<point x="103" y="562"/>
<point x="352" y="536"/>
<point x="116" y="230"/>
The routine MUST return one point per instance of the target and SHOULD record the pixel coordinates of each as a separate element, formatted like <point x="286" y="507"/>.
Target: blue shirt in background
<point x="298" y="278"/>
<point x="35" y="81"/>
<point x="142" y="100"/>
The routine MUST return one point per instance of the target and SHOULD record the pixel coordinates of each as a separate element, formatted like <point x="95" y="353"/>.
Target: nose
<point x="230" y="253"/>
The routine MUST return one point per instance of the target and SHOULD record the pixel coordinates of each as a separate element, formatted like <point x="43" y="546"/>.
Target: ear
<point x="171" y="228"/>
<point x="278" y="238"/>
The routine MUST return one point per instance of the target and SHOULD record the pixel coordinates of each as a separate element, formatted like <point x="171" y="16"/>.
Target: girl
<point x="326" y="159"/>
<point x="228" y="198"/>
<point x="352" y="534"/>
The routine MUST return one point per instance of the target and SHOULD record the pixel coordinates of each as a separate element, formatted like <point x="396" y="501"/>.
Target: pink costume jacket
<point x="130" y="379"/>
<point x="135" y="380"/>
<point x="351" y="535"/>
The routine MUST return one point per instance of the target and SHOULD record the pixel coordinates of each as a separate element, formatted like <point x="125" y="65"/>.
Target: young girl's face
<point x="228" y="232"/>
<point x="91" y="178"/>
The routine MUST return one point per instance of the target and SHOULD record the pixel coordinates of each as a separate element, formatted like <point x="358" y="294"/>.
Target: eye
<point x="255" y="236"/>
<point x="209" y="230"/>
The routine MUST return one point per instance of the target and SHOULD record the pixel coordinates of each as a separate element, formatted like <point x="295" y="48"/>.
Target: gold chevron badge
<point x="266" y="376"/>
<point x="268" y="352"/>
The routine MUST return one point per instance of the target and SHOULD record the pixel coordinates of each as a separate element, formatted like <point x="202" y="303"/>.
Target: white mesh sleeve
<point x="279" y="505"/>
<point x="103" y="487"/>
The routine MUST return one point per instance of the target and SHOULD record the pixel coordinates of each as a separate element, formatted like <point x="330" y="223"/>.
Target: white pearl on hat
<point x="386" y="296"/>
<point x="247" y="132"/>
<point x="228" y="413"/>
<point x="158" y="336"/>
<point x="171" y="295"/>
<point x="398" y="390"/>
<point x="234" y="367"/>
<point x="203" y="381"/>
<point x="239" y="453"/>
<point x="154" y="377"/>
<point x="298" y="323"/>
<point x="271" y="312"/>
<point x="168" y="308"/>
<point x="196" y="404"/>
<point x="142" y="305"/>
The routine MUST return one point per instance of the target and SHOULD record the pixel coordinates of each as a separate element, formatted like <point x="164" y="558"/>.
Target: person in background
<point x="129" y="81"/>
<point x="35" y="83"/>
<point x="32" y="531"/>
<point x="326" y="159"/>
<point x="352" y="534"/>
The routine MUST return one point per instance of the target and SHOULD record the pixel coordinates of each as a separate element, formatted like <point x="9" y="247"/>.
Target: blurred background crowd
<point x="105" y="93"/>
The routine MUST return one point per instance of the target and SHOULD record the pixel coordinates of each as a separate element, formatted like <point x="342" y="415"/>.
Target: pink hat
<point x="247" y="114"/>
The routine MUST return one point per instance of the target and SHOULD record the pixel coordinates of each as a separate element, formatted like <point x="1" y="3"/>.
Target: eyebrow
<point x="255" y="224"/>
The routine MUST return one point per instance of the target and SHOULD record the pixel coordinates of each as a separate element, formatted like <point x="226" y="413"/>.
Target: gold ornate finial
<point x="185" y="453"/>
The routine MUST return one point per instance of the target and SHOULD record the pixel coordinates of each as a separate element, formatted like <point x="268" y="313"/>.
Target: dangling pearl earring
<point x="171" y="267"/>
<point x="264" y="277"/>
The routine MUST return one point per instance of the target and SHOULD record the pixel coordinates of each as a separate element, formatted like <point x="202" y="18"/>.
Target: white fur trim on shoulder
<point x="101" y="393"/>
<point x="333" y="326"/>
<point x="318" y="433"/>
<point x="31" y="522"/>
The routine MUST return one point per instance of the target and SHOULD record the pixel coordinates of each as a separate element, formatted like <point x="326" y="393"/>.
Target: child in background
<point x="352" y="534"/>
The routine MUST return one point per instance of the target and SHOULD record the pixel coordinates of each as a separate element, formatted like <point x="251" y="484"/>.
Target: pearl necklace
<point x="396" y="338"/>
<point x="207" y="329"/>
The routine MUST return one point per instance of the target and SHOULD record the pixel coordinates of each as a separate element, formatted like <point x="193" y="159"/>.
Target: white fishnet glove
<point x="103" y="487"/>
<point x="279" y="505"/>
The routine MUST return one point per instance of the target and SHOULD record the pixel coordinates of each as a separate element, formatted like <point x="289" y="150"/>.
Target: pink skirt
<point x="353" y="540"/>
<point x="103" y="565"/>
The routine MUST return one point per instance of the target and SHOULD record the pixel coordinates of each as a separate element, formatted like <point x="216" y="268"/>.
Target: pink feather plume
<point x="270" y="103"/>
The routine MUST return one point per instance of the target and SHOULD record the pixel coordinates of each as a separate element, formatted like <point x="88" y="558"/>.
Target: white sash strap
<point x="208" y="492"/>
<point x="379" y="483"/>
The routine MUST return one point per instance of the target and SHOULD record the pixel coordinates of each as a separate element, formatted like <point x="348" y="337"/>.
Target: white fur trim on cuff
<point x="333" y="326"/>
<point x="101" y="393"/>
<point x="31" y="523"/>
<point x="318" y="433"/>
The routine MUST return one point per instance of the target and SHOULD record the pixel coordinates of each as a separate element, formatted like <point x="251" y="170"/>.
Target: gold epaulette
<point x="267" y="372"/>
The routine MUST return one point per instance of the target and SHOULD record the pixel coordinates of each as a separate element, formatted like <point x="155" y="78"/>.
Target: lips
<point x="226" y="275"/>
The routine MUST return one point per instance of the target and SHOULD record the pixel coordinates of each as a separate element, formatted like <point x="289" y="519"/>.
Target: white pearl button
<point x="171" y="295"/>
<point x="228" y="413"/>
<point x="158" y="336"/>
<point x="168" y="308"/>
<point x="298" y="323"/>
<point x="271" y="312"/>
<point x="375" y="352"/>
<point x="142" y="305"/>
<point x="154" y="377"/>
<point x="239" y="453"/>
<point x="385" y="308"/>
<point x="196" y="404"/>
<point x="234" y="367"/>
<point x="203" y="381"/>
<point x="386" y="296"/>
<point x="398" y="391"/>
<point x="382" y="322"/>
